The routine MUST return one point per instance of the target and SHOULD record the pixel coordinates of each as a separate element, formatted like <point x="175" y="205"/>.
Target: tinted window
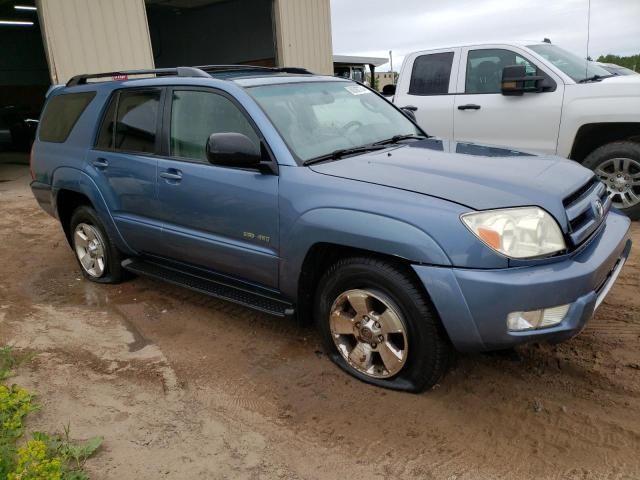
<point x="136" y="120"/>
<point x="431" y="74"/>
<point x="106" y="136"/>
<point x="61" y="115"/>
<point x="196" y="115"/>
<point x="484" y="69"/>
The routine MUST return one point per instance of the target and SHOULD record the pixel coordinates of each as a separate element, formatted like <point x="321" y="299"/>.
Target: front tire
<point x="377" y="324"/>
<point x="618" y="166"/>
<point x="96" y="254"/>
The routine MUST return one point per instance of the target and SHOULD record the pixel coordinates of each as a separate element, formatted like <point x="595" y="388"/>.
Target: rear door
<point x="428" y="82"/>
<point x="221" y="218"/>
<point x="483" y="115"/>
<point x="124" y="162"/>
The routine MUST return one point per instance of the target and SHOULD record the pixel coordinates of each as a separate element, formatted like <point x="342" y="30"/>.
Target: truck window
<point x="195" y="115"/>
<point x="431" y="74"/>
<point x="133" y="127"/>
<point x="484" y="69"/>
<point x="61" y="114"/>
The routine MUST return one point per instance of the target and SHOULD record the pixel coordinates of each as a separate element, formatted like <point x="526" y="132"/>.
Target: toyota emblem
<point x="598" y="209"/>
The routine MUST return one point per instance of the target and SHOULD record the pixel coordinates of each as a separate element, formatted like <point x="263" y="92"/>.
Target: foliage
<point x="632" y="62"/>
<point x="44" y="457"/>
<point x="34" y="463"/>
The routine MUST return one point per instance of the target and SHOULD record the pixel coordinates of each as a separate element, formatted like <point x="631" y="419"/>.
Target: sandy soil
<point x="183" y="386"/>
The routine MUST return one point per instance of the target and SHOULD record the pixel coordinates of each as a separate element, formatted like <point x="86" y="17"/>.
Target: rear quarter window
<point x="61" y="114"/>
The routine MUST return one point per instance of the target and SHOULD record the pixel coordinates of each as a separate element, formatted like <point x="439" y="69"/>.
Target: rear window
<point x="133" y="127"/>
<point x="431" y="74"/>
<point x="61" y="114"/>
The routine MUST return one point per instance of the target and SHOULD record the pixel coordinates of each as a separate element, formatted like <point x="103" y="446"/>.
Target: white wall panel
<point x="303" y="34"/>
<point x="85" y="36"/>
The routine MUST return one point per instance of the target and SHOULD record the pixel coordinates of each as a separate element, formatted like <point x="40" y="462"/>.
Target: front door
<point x="483" y="115"/>
<point x="221" y="218"/>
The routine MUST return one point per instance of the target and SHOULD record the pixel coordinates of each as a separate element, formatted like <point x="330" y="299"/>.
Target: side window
<point x="195" y="115"/>
<point x="431" y="74"/>
<point x="61" y="115"/>
<point x="133" y="127"/>
<point x="106" y="136"/>
<point x="484" y="69"/>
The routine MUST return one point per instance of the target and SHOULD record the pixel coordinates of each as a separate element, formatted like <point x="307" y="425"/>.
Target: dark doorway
<point x="201" y="32"/>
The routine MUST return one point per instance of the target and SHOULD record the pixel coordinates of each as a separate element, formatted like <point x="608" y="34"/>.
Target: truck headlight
<point x="524" y="232"/>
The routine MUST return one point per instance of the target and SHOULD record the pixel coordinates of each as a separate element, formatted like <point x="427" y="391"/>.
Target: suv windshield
<point x="579" y="69"/>
<point x="318" y="118"/>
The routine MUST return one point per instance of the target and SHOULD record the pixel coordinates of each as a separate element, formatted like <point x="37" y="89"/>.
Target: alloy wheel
<point x="90" y="249"/>
<point x="622" y="178"/>
<point x="369" y="333"/>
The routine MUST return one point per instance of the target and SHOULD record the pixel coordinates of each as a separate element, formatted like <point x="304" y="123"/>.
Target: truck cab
<point x="557" y="104"/>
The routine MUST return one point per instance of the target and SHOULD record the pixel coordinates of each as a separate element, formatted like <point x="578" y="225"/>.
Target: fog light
<point x="536" y="319"/>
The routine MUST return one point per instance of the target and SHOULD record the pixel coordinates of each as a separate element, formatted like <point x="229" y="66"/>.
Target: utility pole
<point x="393" y="76"/>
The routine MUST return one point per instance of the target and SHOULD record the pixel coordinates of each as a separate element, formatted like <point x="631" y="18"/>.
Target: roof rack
<point x="200" y="71"/>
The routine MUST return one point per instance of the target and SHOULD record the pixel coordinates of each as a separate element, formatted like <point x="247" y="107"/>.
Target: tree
<point x="631" y="62"/>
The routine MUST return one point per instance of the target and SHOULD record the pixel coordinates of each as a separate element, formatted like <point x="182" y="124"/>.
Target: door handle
<point x="469" y="106"/>
<point x="101" y="163"/>
<point x="172" y="174"/>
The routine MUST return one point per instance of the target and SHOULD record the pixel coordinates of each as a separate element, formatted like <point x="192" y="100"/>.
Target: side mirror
<point x="233" y="150"/>
<point x="410" y="111"/>
<point x="389" y="90"/>
<point x="515" y="81"/>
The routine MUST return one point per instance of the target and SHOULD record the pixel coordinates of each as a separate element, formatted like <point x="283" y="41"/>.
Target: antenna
<point x="586" y="62"/>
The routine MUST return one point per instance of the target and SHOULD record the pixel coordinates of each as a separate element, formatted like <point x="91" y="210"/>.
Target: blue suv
<point x="312" y="196"/>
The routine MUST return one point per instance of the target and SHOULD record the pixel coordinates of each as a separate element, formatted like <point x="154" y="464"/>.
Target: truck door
<point x="428" y="82"/>
<point x="482" y="114"/>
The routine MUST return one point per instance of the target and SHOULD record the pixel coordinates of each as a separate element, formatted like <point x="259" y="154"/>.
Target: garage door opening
<point x="206" y="32"/>
<point x="24" y="78"/>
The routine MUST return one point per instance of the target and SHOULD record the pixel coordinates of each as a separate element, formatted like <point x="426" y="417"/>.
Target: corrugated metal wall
<point x="303" y="34"/>
<point x="83" y="36"/>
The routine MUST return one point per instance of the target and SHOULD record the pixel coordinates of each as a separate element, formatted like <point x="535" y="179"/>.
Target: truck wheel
<point x="98" y="258"/>
<point x="377" y="324"/>
<point x="618" y="166"/>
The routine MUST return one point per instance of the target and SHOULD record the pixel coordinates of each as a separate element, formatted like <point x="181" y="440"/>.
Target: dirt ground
<point x="184" y="386"/>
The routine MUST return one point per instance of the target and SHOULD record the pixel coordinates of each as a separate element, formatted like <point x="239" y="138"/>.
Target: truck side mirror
<point x="233" y="150"/>
<point x="389" y="90"/>
<point x="515" y="79"/>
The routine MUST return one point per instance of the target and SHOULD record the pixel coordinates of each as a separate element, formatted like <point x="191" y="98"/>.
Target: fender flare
<point x="356" y="229"/>
<point x="75" y="180"/>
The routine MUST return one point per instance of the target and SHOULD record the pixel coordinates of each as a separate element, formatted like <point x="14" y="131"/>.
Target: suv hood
<point x="477" y="176"/>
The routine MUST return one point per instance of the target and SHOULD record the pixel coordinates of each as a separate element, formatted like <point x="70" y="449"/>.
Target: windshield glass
<point x="574" y="66"/>
<point x="318" y="118"/>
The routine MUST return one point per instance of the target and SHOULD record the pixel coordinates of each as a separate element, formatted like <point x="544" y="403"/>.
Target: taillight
<point x="33" y="176"/>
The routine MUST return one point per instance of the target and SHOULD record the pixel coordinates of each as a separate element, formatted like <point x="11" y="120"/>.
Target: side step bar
<point x="213" y="285"/>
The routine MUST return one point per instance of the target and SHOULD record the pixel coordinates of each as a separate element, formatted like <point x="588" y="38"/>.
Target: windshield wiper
<point x="399" y="138"/>
<point x="343" y="152"/>
<point x="594" y="78"/>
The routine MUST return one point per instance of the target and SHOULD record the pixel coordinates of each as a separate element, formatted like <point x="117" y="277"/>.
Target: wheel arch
<point x="592" y="136"/>
<point x="72" y="188"/>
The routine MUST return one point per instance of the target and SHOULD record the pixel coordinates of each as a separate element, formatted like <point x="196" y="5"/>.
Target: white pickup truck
<point x="533" y="96"/>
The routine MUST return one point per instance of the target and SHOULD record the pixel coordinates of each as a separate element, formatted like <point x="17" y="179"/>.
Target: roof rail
<point x="179" y="71"/>
<point x="199" y="71"/>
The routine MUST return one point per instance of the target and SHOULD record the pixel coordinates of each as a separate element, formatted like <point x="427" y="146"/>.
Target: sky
<point x="373" y="27"/>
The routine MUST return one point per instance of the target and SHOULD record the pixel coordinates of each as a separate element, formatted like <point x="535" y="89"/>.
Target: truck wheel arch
<point x="592" y="136"/>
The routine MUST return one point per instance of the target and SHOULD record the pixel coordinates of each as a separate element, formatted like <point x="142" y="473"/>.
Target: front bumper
<point x="474" y="304"/>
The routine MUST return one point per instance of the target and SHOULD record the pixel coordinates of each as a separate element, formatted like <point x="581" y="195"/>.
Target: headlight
<point x="517" y="232"/>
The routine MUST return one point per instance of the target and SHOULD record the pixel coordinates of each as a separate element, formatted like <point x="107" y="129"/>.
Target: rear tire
<point x="97" y="256"/>
<point x="392" y="337"/>
<point x="618" y="166"/>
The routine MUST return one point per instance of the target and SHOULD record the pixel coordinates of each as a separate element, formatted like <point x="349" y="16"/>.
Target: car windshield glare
<point x="318" y="118"/>
<point x="579" y="69"/>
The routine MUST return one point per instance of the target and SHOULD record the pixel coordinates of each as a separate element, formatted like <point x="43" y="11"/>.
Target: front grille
<point x="582" y="213"/>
